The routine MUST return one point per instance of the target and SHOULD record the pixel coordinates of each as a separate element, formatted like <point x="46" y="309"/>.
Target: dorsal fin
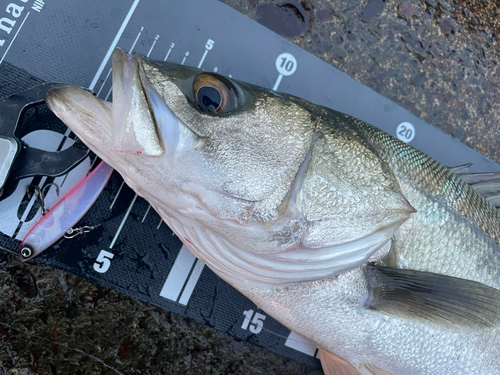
<point x="486" y="184"/>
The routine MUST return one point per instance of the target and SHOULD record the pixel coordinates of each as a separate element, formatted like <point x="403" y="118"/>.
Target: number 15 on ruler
<point x="254" y="322"/>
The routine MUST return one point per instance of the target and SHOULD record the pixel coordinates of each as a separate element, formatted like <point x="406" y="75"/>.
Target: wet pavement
<point x="55" y="323"/>
<point x="437" y="59"/>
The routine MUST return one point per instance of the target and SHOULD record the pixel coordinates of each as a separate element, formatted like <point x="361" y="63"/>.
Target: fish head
<point x="232" y="169"/>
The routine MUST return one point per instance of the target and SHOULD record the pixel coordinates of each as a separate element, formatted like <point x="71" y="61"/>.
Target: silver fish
<point x="372" y="250"/>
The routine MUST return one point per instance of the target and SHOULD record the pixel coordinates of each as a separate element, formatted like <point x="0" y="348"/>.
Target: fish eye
<point x="214" y="94"/>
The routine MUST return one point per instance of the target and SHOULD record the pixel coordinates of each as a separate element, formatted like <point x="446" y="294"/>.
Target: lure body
<point x="65" y="213"/>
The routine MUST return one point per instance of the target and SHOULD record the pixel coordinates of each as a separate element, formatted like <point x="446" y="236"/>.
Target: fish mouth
<point x="138" y="122"/>
<point x="133" y="123"/>
<point x="145" y="125"/>
<point x="135" y="130"/>
<point x="89" y="117"/>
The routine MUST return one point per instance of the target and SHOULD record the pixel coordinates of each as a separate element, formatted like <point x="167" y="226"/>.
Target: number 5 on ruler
<point x="257" y="321"/>
<point x="103" y="261"/>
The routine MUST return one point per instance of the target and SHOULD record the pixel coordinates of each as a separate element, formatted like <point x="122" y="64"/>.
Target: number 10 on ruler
<point x="285" y="64"/>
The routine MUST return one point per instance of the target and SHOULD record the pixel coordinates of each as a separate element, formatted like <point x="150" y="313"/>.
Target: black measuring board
<point x="132" y="250"/>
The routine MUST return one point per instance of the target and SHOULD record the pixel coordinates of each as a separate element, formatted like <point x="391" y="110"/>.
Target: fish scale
<point x="366" y="336"/>
<point x="413" y="165"/>
<point x="398" y="285"/>
<point x="453" y="241"/>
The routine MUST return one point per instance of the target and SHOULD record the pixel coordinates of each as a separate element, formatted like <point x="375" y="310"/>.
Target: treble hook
<point x="40" y="194"/>
<point x="51" y="184"/>
<point x="73" y="232"/>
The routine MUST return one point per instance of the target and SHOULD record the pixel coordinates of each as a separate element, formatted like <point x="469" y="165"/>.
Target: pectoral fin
<point x="429" y="296"/>
<point x="372" y="370"/>
<point x="333" y="365"/>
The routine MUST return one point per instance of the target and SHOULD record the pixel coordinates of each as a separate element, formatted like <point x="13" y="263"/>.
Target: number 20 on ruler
<point x="254" y="322"/>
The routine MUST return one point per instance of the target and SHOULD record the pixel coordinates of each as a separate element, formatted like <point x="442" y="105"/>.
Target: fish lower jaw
<point x="143" y="124"/>
<point x="243" y="269"/>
